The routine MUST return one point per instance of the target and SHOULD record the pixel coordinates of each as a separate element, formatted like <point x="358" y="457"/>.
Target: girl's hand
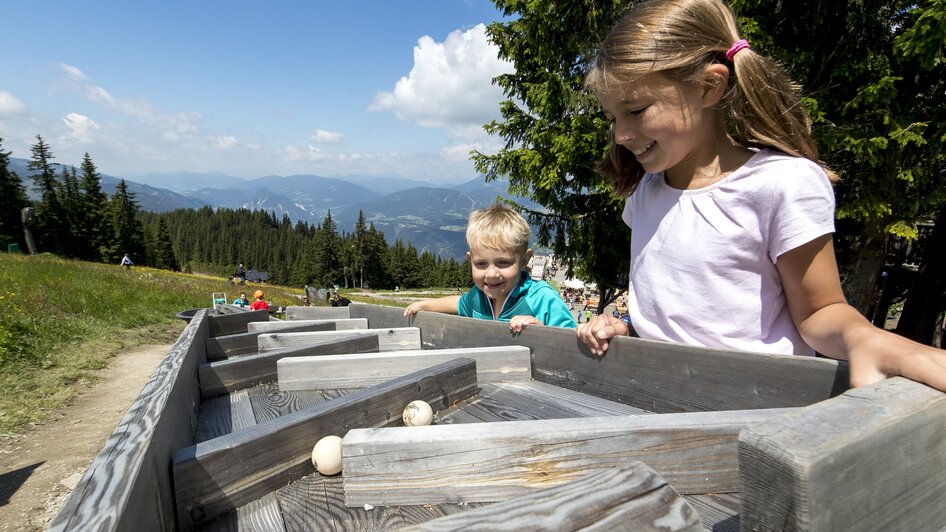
<point x="597" y="332"/>
<point x="878" y="354"/>
<point x="518" y="323"/>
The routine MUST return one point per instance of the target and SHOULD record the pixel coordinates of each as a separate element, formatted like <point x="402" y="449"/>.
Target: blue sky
<point x="383" y="88"/>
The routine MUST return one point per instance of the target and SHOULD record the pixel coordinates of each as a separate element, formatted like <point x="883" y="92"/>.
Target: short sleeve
<point x="802" y="206"/>
<point x="465" y="306"/>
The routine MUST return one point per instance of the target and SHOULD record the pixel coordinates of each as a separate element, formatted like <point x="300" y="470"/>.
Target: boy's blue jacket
<point x="528" y="298"/>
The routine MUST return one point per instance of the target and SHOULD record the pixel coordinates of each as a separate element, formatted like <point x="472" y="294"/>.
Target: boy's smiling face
<point x="496" y="271"/>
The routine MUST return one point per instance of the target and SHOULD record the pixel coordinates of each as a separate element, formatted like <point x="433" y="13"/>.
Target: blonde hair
<point x="680" y="39"/>
<point x="498" y="227"/>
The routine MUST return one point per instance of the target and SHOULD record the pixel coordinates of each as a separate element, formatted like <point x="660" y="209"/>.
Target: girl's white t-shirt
<point x="703" y="261"/>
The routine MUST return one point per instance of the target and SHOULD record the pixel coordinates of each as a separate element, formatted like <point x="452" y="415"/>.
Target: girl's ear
<point x="715" y="83"/>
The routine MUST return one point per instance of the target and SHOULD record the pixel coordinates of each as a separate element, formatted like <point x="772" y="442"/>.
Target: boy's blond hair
<point x="498" y="227"/>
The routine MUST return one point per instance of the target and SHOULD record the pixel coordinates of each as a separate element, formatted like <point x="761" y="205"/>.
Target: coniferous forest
<point x="73" y="218"/>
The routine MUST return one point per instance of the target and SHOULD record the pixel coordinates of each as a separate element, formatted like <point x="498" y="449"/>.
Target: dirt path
<point x="38" y="469"/>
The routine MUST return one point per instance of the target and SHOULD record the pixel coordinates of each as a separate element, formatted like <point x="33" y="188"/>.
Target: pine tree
<point x="161" y="250"/>
<point x="12" y="200"/>
<point x="95" y="209"/>
<point x="50" y="216"/>
<point x="71" y="200"/>
<point x="127" y="231"/>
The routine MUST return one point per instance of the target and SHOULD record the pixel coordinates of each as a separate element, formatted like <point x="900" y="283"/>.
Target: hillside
<point x="432" y="218"/>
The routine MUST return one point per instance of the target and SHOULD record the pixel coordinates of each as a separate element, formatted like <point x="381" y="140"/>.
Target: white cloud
<point x="450" y="85"/>
<point x="81" y="128"/>
<point x="224" y="143"/>
<point x="10" y="105"/>
<point x="320" y="136"/>
<point x="73" y="73"/>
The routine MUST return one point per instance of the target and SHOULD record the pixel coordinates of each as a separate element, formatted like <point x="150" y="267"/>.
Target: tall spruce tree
<point x="50" y="230"/>
<point x="12" y="201"/>
<point x="95" y="223"/>
<point x="127" y="231"/>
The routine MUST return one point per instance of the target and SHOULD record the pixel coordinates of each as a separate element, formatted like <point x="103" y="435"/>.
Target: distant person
<point x="305" y="302"/>
<point x="339" y="301"/>
<point x="259" y="304"/>
<point x="498" y="238"/>
<point x="126" y="262"/>
<point x="241" y="274"/>
<point x="243" y="301"/>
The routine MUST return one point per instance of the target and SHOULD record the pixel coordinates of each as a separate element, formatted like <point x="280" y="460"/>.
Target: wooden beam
<point x="870" y="459"/>
<point x="493" y="364"/>
<point x="231" y="345"/>
<point x="219" y="475"/>
<point x="656" y="376"/>
<point x="128" y="486"/>
<point x="225" y="376"/>
<point x="317" y="313"/>
<point x="630" y="496"/>
<point x="235" y="323"/>
<point x="488" y="462"/>
<point x="388" y="339"/>
<point x="286" y="326"/>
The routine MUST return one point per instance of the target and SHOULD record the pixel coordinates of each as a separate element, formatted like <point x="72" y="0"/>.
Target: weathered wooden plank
<point x="286" y="326"/>
<point x="262" y="514"/>
<point x="493" y="364"/>
<point x="388" y="339"/>
<point x="217" y="476"/>
<point x="128" y="485"/>
<point x="655" y="376"/>
<point x="382" y="317"/>
<point x="487" y="462"/>
<point x="223" y="347"/>
<point x="318" y="503"/>
<point x="234" y="323"/>
<point x="316" y="313"/>
<point x="630" y="496"/>
<point x="719" y="511"/>
<point x="269" y="402"/>
<point x="870" y="459"/>
<point x="527" y="400"/>
<point x="224" y="376"/>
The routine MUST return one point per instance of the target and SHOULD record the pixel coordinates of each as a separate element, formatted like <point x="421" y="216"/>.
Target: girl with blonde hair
<point x="732" y="212"/>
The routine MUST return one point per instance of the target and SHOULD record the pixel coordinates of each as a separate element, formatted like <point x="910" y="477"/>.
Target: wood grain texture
<point x="285" y="326"/>
<point x="224" y="376"/>
<point x="629" y="497"/>
<point x="870" y="459"/>
<point x="529" y="400"/>
<point x="488" y="462"/>
<point x="231" y="345"/>
<point x="317" y="313"/>
<point x="388" y="339"/>
<point x="234" y="323"/>
<point x="128" y="485"/>
<point x="493" y="364"/>
<point x="219" y="475"/>
<point x="264" y="513"/>
<point x="655" y="376"/>
<point x="318" y="503"/>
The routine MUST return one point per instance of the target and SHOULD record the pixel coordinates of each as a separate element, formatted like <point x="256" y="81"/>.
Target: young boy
<point x="498" y="238"/>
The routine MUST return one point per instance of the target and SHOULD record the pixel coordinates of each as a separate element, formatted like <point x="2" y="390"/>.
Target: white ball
<point x="327" y="455"/>
<point x="417" y="413"/>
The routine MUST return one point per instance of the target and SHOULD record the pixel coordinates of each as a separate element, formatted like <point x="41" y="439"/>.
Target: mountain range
<point x="432" y="218"/>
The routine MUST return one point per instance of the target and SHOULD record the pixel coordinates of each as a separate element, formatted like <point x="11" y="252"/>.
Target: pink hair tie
<point x="741" y="44"/>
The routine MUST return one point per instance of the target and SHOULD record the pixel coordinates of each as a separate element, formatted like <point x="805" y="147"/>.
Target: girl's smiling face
<point x="661" y="121"/>
<point x="496" y="271"/>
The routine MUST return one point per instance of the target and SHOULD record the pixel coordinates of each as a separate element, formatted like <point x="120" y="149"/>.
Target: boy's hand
<point x="597" y="332"/>
<point x="414" y="308"/>
<point x="518" y="323"/>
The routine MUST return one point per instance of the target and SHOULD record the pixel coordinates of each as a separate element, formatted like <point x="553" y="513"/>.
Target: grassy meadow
<point x="61" y="320"/>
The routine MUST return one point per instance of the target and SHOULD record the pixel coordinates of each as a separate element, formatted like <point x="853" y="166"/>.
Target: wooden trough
<point x="530" y="432"/>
